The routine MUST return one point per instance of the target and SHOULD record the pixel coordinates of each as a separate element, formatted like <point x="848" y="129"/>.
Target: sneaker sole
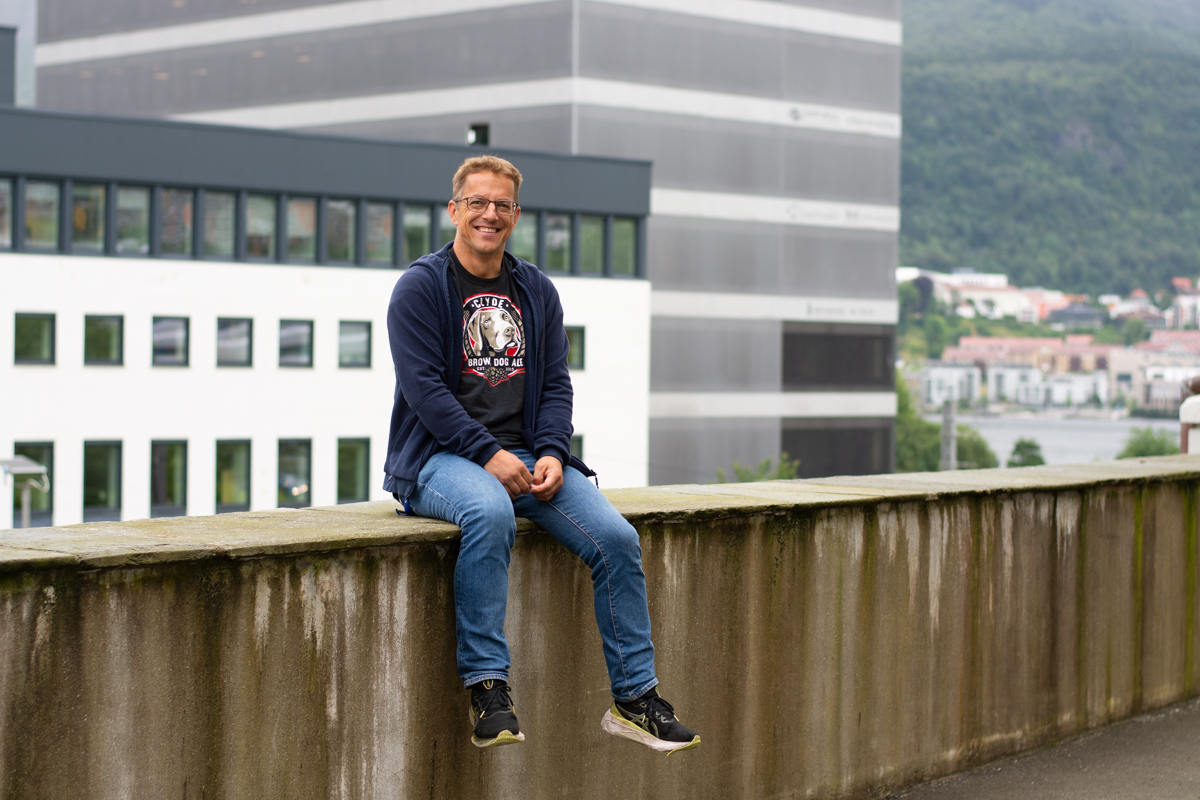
<point x="619" y="727"/>
<point x="504" y="737"/>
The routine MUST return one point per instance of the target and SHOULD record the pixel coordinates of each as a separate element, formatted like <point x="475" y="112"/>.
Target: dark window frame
<point x="233" y="508"/>
<point x="120" y="507"/>
<point x="12" y="213"/>
<point x="821" y="357"/>
<point x="370" y="343"/>
<point x="577" y="445"/>
<point x="236" y="364"/>
<point x="187" y="341"/>
<point x="120" y="362"/>
<point x="17" y="447"/>
<point x="312" y="343"/>
<point x="279" y="473"/>
<point x="163" y="510"/>
<point x="366" y="440"/>
<point x="53" y="339"/>
<point x="21" y="196"/>
<point x="575" y="363"/>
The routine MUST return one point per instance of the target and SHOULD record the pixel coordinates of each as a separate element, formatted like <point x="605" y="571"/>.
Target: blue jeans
<point x="457" y="490"/>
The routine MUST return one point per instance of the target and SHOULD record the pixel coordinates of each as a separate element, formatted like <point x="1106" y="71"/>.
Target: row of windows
<point x="168" y="477"/>
<point x="104" y="341"/>
<point x="116" y="219"/>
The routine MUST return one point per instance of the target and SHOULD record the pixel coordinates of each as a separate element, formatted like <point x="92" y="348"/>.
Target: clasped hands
<point x="514" y="476"/>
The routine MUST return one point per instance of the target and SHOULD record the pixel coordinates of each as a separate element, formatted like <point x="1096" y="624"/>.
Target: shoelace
<point x="494" y="699"/>
<point x="660" y="710"/>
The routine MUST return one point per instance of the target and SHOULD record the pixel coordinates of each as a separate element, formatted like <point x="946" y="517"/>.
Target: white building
<point x="1015" y="383"/>
<point x="1076" y="389"/>
<point x="956" y="382"/>
<point x="160" y="367"/>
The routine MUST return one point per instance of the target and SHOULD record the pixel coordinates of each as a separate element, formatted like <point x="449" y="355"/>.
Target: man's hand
<point x="511" y="472"/>
<point x="547" y="478"/>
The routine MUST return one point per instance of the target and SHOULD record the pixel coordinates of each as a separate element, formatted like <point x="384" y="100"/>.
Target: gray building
<point x="773" y="128"/>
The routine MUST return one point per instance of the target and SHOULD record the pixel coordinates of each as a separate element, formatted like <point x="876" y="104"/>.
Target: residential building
<point x="193" y="318"/>
<point x="773" y="128"/>
<point x="959" y="383"/>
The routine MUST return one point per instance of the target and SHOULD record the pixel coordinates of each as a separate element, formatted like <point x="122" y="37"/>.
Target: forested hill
<point x="1057" y="141"/>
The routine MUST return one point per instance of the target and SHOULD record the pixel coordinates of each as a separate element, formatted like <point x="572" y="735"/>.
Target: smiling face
<point x="483" y="234"/>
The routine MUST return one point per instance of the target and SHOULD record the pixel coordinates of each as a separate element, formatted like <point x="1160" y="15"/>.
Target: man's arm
<point x="555" y="406"/>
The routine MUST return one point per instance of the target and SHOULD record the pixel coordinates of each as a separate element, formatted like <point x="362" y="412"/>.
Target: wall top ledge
<point x="317" y="530"/>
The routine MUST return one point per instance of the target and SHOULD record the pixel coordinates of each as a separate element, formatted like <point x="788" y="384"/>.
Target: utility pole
<point x="949" y="444"/>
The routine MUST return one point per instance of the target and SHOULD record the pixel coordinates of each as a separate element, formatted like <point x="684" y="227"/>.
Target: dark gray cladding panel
<point x="887" y="9"/>
<point x="714" y="355"/>
<point x="691" y="450"/>
<point x="692" y="52"/>
<point x="715" y="155"/>
<point x="155" y="151"/>
<point x="8" y="66"/>
<point x="827" y="447"/>
<point x="546" y="128"/>
<point x="509" y="44"/>
<point x="759" y="258"/>
<point x="72" y="19"/>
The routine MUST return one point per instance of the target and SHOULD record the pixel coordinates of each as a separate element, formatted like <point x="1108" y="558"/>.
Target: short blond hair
<point x="494" y="164"/>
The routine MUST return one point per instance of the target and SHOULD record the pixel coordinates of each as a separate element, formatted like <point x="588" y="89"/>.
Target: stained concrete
<point x="829" y="638"/>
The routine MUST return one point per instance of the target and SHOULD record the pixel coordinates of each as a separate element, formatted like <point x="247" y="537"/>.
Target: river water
<point x="1064" y="440"/>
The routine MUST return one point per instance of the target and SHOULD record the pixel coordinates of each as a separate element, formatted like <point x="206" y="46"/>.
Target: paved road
<point x="1153" y="757"/>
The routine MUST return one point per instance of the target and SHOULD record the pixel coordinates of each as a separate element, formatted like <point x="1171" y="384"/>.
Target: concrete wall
<point x="830" y="638"/>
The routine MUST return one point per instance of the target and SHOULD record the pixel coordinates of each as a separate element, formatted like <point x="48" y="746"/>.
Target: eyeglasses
<point x="477" y="204"/>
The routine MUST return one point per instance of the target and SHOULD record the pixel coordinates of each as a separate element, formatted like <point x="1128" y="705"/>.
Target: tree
<point x="972" y="450"/>
<point x="784" y="470"/>
<point x="1135" y="331"/>
<point x="918" y="442"/>
<point x="1026" y="453"/>
<point x="1143" y="442"/>
<point x="935" y="334"/>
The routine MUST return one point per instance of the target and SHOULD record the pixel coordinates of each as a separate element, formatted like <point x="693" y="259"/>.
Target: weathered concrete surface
<point x="829" y="638"/>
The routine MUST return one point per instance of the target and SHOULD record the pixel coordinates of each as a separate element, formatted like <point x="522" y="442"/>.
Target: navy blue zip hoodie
<point x="426" y="336"/>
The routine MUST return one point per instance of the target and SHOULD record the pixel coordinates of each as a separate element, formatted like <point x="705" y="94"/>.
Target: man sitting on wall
<point x="481" y="431"/>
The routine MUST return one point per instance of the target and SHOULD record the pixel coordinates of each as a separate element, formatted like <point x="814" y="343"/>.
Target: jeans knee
<point x="621" y="541"/>
<point x="488" y="517"/>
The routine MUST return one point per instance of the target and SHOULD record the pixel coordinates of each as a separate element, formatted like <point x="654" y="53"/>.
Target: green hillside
<point x="1057" y="141"/>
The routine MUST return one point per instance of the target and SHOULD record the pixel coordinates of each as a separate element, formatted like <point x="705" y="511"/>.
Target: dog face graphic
<point x="492" y="331"/>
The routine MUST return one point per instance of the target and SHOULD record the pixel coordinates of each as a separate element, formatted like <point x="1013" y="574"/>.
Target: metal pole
<point x="26" y="502"/>
<point x="949" y="445"/>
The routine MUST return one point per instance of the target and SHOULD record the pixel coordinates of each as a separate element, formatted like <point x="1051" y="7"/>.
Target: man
<point x="480" y="433"/>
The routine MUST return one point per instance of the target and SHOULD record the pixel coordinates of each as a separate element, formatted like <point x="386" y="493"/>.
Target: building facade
<point x="193" y="318"/>
<point x="773" y="128"/>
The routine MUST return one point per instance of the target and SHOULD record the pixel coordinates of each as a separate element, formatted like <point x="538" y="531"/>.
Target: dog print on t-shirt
<point x="493" y="338"/>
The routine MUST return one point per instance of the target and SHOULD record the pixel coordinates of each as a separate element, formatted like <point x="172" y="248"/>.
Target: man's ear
<point x="452" y="207"/>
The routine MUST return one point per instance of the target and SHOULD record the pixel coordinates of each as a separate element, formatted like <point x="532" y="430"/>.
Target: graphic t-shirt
<point x="492" y="384"/>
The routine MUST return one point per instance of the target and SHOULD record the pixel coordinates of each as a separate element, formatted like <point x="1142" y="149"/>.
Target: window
<point x="87" y="217"/>
<point x="301" y="229"/>
<point x="233" y="476"/>
<point x="624" y="247"/>
<point x="577" y="446"/>
<point x="41" y="215"/>
<point x="353" y="468"/>
<point x="827" y="447"/>
<point x="170" y="336"/>
<point x="831" y="357"/>
<point x="103" y="340"/>
<point x="478" y="134"/>
<point x="101" y="481"/>
<point x="41" y="504"/>
<point x="219" y="214"/>
<point x="523" y="242"/>
<point x="446" y="229"/>
<point x="295" y="343"/>
<point x="339" y="230"/>
<point x="381" y="234"/>
<point x="591" y="245"/>
<point x="260" y="227"/>
<point x="235" y="342"/>
<point x="416" y="232"/>
<point x="34" y="339"/>
<point x="575" y="356"/>
<point x="175" y="227"/>
<point x="133" y="220"/>
<point x="295" y="470"/>
<point x="354" y="344"/>
<point x="558" y="243"/>
<point x="6" y="212"/>
<point x="168" y="479"/>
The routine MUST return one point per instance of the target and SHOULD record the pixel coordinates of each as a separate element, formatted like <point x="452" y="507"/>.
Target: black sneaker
<point x="493" y="715"/>
<point x="651" y="721"/>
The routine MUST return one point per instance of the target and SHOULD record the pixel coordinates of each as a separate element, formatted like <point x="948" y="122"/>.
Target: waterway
<point x="1064" y="440"/>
